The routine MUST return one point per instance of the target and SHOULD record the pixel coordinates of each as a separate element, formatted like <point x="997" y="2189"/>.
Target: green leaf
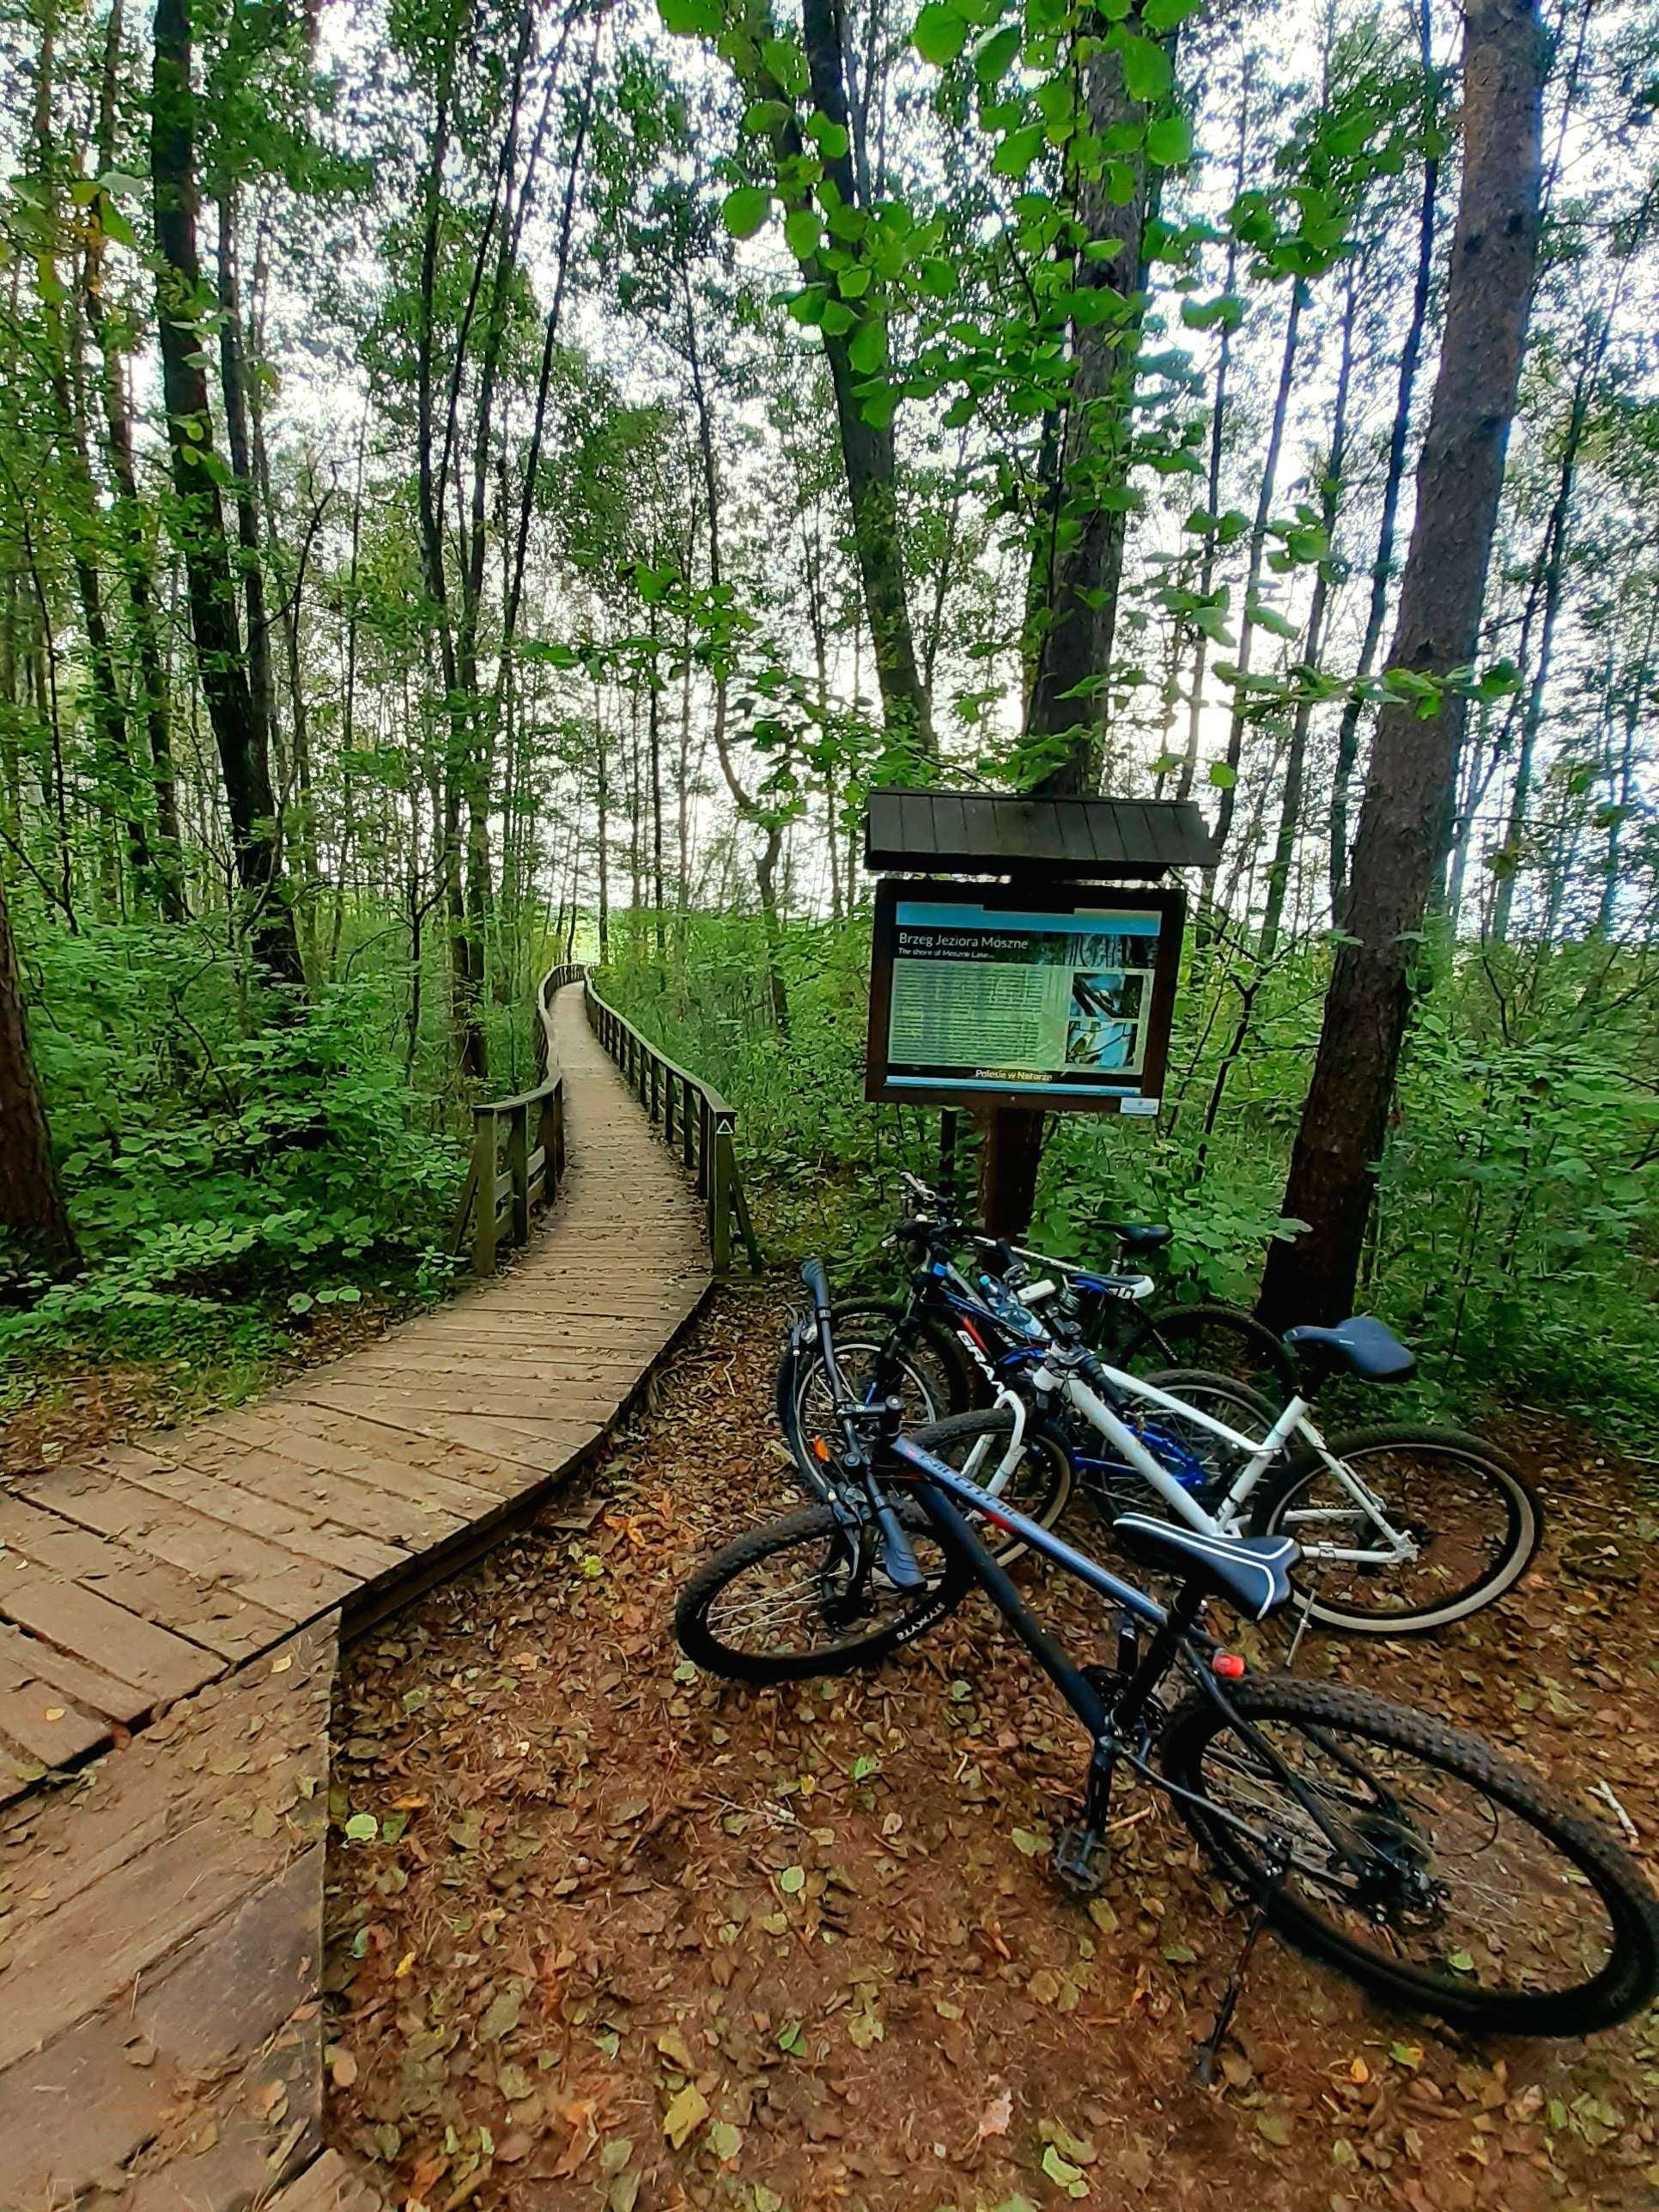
<point x="868" y="350"/>
<point x="1147" y="72"/>
<point x="793" y="1880"/>
<point x="1015" y="155"/>
<point x="940" y="33"/>
<point x="762" y="116"/>
<point x="1223" y="777"/>
<point x="362" y="1828"/>
<point x="744" y="212"/>
<point x="1060" y="2170"/>
<point x="787" y="60"/>
<point x="1169" y="142"/>
<point x="1161" y="15"/>
<point x="724" y="2141"/>
<point x="997" y="55"/>
<point x="801" y="232"/>
<point x="831" y="138"/>
<point x="692" y="19"/>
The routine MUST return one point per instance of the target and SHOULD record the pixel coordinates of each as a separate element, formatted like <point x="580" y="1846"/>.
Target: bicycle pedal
<point x="1080" y="1860"/>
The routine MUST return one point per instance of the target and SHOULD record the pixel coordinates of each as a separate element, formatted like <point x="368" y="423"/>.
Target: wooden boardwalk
<point x="170" y="1615"/>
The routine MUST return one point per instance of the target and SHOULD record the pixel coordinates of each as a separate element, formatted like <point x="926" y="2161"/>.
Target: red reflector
<point x="1229" y="1666"/>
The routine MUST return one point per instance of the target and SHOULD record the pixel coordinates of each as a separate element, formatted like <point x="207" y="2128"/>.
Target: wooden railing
<point x="518" y="1148"/>
<point x="693" y="1119"/>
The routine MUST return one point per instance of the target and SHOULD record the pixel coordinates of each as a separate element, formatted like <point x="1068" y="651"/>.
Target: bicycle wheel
<point x="1223" y="1339"/>
<point x="1436" y="1874"/>
<point x="789" y="1600"/>
<point x="1475" y="1521"/>
<point x="1039" y="1485"/>
<point x="882" y="1354"/>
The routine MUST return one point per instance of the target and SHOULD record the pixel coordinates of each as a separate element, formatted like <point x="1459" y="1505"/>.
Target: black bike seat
<point x="1252" y="1573"/>
<point x="1368" y="1348"/>
<point x="1141" y="1235"/>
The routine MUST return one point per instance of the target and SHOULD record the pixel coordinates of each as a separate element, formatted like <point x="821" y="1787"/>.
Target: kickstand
<point x="1209" y="2051"/>
<point x="1302" y="1619"/>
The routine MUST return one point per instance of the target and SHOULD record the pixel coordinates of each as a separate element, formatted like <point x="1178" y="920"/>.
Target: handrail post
<point x="518" y="1168"/>
<point x="720" y="1195"/>
<point x="549" y="1135"/>
<point x="483" y="1198"/>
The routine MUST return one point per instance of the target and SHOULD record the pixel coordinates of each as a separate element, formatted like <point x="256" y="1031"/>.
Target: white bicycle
<point x="1403" y="1528"/>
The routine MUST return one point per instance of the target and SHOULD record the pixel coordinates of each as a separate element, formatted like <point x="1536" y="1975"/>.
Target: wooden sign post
<point x="1043" y="991"/>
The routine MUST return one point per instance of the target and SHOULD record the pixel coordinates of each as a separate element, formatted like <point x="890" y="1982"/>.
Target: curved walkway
<point x="170" y="1615"/>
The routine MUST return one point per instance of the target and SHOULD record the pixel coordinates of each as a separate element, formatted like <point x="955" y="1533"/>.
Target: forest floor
<point x="57" y="1405"/>
<point x="605" y="1934"/>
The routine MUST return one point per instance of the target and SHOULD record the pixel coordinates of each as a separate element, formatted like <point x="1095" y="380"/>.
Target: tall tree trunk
<point x="1295" y="764"/>
<point x="1406" y="822"/>
<point x="200" y="518"/>
<point x="867" y="451"/>
<point x="32" y="1209"/>
<point x="1218" y="436"/>
<point x="1557" y="531"/>
<point x="1264" y="506"/>
<point x="1347" y="734"/>
<point x="1080" y="559"/>
<point x="114" y="779"/>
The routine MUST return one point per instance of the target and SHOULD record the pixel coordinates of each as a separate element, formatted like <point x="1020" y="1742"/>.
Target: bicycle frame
<point x="1293" y="1421"/>
<point x="943" y="1493"/>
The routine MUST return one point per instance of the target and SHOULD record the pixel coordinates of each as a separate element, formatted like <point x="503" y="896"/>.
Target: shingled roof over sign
<point x="993" y="833"/>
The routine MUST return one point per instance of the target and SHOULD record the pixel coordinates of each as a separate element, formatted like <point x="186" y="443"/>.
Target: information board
<point x="987" y="997"/>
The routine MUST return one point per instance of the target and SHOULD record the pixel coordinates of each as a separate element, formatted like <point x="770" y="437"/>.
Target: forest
<point x="485" y="484"/>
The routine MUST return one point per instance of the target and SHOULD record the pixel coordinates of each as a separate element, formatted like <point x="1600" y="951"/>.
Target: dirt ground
<point x="605" y="1934"/>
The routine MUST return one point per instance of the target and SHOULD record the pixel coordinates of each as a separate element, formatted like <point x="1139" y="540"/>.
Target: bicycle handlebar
<point x="817" y="1285"/>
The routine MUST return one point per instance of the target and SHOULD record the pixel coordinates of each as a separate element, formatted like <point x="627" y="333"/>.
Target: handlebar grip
<point x="897" y="1558"/>
<point x="817" y="1285"/>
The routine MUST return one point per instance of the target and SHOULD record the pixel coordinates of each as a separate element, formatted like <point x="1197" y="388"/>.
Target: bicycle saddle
<point x="1252" y="1573"/>
<point x="1367" y="1347"/>
<point x="1140" y="1236"/>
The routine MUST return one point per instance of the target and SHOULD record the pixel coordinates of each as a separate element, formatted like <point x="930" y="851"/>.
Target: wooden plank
<point x="336" y="1444"/>
<point x="62" y="1968"/>
<point x="198" y="1542"/>
<point x="409" y="1439"/>
<point x="25" y="1659"/>
<point x="103" y="1635"/>
<point x="238" y="1506"/>
<point x="33" y="1716"/>
<point x="215" y="1617"/>
<point x="327" y="2185"/>
<point x="334" y="1495"/>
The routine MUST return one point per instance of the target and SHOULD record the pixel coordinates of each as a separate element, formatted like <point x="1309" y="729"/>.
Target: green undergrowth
<point x="241" y="1173"/>
<point x="1514" y="1242"/>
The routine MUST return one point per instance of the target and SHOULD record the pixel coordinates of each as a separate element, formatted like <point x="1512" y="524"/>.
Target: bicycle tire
<point x="1052" y="1492"/>
<point x="1524" y="1527"/>
<point x="1325" y="1711"/>
<point x="869" y="1324"/>
<point x="1188" y="1336"/>
<point x="814" y="1527"/>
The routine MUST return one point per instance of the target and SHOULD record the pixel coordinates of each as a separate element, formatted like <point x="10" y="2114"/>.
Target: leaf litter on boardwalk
<point x="622" y="1937"/>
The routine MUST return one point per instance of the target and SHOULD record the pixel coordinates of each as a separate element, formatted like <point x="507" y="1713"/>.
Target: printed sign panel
<point x="996" y="997"/>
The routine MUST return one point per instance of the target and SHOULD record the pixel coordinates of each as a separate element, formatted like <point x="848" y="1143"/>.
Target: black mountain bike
<point x="931" y="1350"/>
<point x="1406" y="1854"/>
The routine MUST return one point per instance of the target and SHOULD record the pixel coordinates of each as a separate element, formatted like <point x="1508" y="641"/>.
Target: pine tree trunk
<point x="32" y="1209"/>
<point x="1405" y="825"/>
<point x="1347" y="735"/>
<point x="1081" y="564"/>
<point x="200" y="518"/>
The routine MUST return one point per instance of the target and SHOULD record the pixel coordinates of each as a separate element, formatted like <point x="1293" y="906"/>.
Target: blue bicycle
<point x="1406" y="1854"/>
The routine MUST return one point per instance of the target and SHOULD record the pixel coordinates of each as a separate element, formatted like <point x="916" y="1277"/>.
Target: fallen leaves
<point x="686" y="2113"/>
<point x="668" y="1943"/>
